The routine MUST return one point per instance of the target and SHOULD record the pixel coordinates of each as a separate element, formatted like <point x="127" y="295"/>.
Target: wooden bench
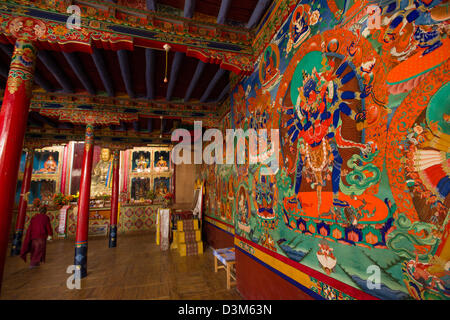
<point x="227" y="257"/>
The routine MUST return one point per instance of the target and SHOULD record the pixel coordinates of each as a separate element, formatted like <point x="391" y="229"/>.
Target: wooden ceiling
<point x="79" y="72"/>
<point x="137" y="63"/>
<point x="239" y="10"/>
<point x="138" y="74"/>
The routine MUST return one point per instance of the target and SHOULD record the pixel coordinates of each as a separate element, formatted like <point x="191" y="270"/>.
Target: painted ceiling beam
<point x="65" y="125"/>
<point x="125" y="70"/>
<point x="56" y="71"/>
<point x="102" y="70"/>
<point x="195" y="78"/>
<point x="189" y="8"/>
<point x="136" y="126"/>
<point x="174" y="74"/>
<point x="257" y="13"/>
<point x="147" y="31"/>
<point x="123" y="105"/>
<point x="224" y="92"/>
<point x="122" y="126"/>
<point x="77" y="67"/>
<point x="212" y="84"/>
<point x="38" y="79"/>
<point x="32" y="119"/>
<point x="150" y="73"/>
<point x="163" y="125"/>
<point x="42" y="82"/>
<point x="223" y="11"/>
<point x="151" y="5"/>
<point x="149" y="125"/>
<point x="46" y="120"/>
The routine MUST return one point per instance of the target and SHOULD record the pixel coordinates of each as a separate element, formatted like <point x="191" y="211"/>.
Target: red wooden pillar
<point x="23" y="204"/>
<point x="81" y="240"/>
<point x="114" y="201"/>
<point x="13" y="122"/>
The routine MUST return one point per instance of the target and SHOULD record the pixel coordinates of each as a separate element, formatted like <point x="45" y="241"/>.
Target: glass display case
<point x="46" y="174"/>
<point x="150" y="173"/>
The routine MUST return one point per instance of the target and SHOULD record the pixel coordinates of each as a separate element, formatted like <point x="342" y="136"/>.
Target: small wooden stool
<point x="227" y="257"/>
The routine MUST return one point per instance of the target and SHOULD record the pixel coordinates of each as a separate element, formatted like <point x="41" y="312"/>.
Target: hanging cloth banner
<point x="61" y="230"/>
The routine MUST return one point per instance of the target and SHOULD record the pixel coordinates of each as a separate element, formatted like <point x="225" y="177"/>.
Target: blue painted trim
<point x="291" y="281"/>
<point x="134" y="32"/>
<point x="216" y="45"/>
<point x="47" y="15"/>
<point x="154" y="36"/>
<point x="219" y="228"/>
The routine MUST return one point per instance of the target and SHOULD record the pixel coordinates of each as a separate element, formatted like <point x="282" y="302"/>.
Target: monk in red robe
<point x="36" y="238"/>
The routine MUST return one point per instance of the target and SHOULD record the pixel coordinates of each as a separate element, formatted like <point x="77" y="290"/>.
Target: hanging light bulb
<point x="166" y="48"/>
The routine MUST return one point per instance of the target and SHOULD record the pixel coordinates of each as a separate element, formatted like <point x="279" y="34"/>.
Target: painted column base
<point x="17" y="243"/>
<point x="81" y="258"/>
<point x="113" y="236"/>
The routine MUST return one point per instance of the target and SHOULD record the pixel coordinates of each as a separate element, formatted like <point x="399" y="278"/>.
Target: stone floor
<point x="136" y="269"/>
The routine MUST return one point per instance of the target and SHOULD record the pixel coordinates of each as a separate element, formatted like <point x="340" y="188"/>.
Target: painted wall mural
<point x="359" y="91"/>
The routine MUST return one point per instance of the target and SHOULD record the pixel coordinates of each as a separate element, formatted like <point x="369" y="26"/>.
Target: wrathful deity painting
<point x="359" y="91"/>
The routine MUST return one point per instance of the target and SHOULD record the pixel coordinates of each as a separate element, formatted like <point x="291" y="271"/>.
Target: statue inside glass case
<point x="142" y="163"/>
<point x="101" y="175"/>
<point x="50" y="165"/>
